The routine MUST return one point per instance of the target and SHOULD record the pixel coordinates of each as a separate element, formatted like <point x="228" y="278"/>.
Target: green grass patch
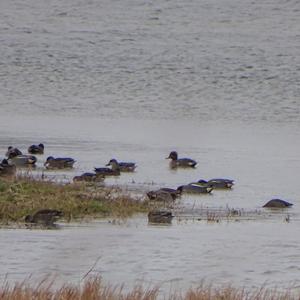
<point x="24" y="196"/>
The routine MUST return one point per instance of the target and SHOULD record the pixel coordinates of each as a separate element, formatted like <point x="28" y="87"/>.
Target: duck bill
<point x="209" y="189"/>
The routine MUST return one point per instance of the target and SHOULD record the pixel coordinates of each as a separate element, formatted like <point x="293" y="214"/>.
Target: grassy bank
<point x="93" y="289"/>
<point x="24" y="196"/>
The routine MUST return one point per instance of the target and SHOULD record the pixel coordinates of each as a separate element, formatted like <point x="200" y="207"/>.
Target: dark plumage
<point x="23" y="160"/>
<point x="12" y="152"/>
<point x="88" y="177"/>
<point x="194" y="188"/>
<point x="164" y="194"/>
<point x="107" y="171"/>
<point x="216" y="183"/>
<point x="180" y="162"/>
<point x="122" y="166"/>
<point x="160" y="216"/>
<point x="44" y="217"/>
<point x="59" y="162"/>
<point x="277" y="203"/>
<point x="6" y="169"/>
<point x="36" y="149"/>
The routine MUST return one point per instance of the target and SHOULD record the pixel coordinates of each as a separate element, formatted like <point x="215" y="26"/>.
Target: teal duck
<point x="164" y="194"/>
<point x="36" y="149"/>
<point x="44" y="217"/>
<point x="6" y="169"/>
<point x="180" y="162"/>
<point x="160" y="216"/>
<point x="196" y="189"/>
<point x="23" y="160"/>
<point x="113" y="171"/>
<point x="277" y="203"/>
<point x="59" y="162"/>
<point x="12" y="152"/>
<point x="216" y="183"/>
<point x="122" y="166"/>
<point x="88" y="177"/>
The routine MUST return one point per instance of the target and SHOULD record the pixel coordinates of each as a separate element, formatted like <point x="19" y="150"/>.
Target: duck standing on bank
<point x="45" y="217"/>
<point x="6" y="169"/>
<point x="180" y="162"/>
<point x="59" y="162"/>
<point x="122" y="166"/>
<point x="36" y="149"/>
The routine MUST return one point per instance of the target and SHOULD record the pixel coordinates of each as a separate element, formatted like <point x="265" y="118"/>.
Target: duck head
<point x="112" y="162"/>
<point x="41" y="146"/>
<point x="173" y="155"/>
<point x="4" y="162"/>
<point x="29" y="219"/>
<point x="49" y="158"/>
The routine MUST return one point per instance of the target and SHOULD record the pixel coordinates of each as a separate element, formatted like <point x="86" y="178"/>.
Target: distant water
<point x="206" y="60"/>
<point x="217" y="81"/>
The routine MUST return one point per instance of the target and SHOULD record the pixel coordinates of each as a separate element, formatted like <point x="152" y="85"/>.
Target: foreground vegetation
<point x="23" y="196"/>
<point x="93" y="289"/>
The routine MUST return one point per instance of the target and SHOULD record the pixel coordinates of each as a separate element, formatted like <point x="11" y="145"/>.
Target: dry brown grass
<point x="94" y="289"/>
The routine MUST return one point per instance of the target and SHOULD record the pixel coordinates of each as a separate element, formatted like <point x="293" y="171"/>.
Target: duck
<point x="12" y="152"/>
<point x="216" y="183"/>
<point x="88" y="177"/>
<point x="180" y="162"/>
<point x="164" y="194"/>
<point x="122" y="166"/>
<point x="113" y="171"/>
<point x="196" y="189"/>
<point x="59" y="162"/>
<point x="36" y="149"/>
<point x="44" y="217"/>
<point x="277" y="203"/>
<point x="23" y="160"/>
<point x="160" y="216"/>
<point x="7" y="169"/>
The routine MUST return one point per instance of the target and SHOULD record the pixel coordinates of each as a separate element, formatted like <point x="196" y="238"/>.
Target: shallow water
<point x="216" y="81"/>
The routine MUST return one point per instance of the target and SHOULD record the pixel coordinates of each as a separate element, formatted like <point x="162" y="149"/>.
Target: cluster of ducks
<point x="114" y="168"/>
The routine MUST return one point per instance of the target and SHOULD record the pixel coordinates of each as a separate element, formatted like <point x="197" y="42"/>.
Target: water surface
<point x="218" y="81"/>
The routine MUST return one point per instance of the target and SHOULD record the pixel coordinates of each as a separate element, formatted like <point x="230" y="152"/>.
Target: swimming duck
<point x="88" y="177"/>
<point x="6" y="169"/>
<point x="122" y="166"/>
<point x="23" y="160"/>
<point x="36" y="149"/>
<point x="216" y="183"/>
<point x="12" y="152"/>
<point x="197" y="189"/>
<point x="59" y="162"/>
<point x="164" y="194"/>
<point x="160" y="216"/>
<point x="44" y="217"/>
<point x="277" y="203"/>
<point x="180" y="162"/>
<point x="114" y="171"/>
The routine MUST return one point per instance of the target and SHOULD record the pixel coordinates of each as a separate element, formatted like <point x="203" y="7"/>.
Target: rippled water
<point x="215" y="80"/>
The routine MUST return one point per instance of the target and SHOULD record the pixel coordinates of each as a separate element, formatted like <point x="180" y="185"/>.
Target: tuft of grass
<point x="23" y="196"/>
<point x="93" y="288"/>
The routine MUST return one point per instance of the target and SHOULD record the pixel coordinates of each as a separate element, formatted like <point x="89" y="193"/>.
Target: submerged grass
<point x="22" y="196"/>
<point x="94" y="288"/>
